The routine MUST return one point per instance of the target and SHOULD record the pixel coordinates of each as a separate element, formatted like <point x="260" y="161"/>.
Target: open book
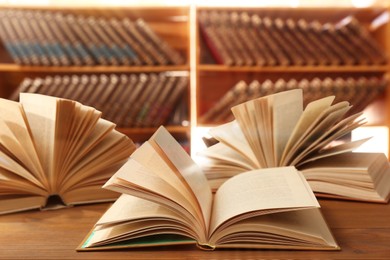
<point x="56" y="151"/>
<point x="166" y="200"/>
<point x="275" y="131"/>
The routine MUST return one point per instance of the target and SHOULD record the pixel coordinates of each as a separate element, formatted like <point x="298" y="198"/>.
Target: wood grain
<point x="361" y="229"/>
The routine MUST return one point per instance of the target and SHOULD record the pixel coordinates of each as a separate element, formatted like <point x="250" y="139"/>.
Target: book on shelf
<point x="275" y="131"/>
<point x="53" y="147"/>
<point x="360" y="92"/>
<point x="241" y="38"/>
<point x="135" y="100"/>
<point x="53" y="38"/>
<point x="165" y="200"/>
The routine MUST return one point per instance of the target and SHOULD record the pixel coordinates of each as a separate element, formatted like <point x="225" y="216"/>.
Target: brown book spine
<point x="310" y="54"/>
<point x="287" y="41"/>
<point x="71" y="31"/>
<point x="327" y="41"/>
<point x="244" y="47"/>
<point x="9" y="40"/>
<point x="24" y="86"/>
<point x="325" y="57"/>
<point x="124" y="53"/>
<point x="103" y="82"/>
<point x="266" y="35"/>
<point x="131" y="29"/>
<point x="212" y="41"/>
<point x="48" y="57"/>
<point x="71" y="89"/>
<point x="145" y="90"/>
<point x="108" y="46"/>
<point x="222" y="29"/>
<point x="119" y="97"/>
<point x="54" y="47"/>
<point x="344" y="48"/>
<point x="166" y="50"/>
<point x="88" y="37"/>
<point x="62" y="41"/>
<point x="24" y="39"/>
<point x="142" y="57"/>
<point x="250" y="40"/>
<point x="156" y="108"/>
<point x="151" y="99"/>
<point x="353" y="30"/>
<point x="47" y="82"/>
<point x="132" y="95"/>
<point x="171" y="101"/>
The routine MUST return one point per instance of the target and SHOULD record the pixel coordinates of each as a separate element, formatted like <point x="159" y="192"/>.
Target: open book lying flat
<point x="166" y="201"/>
<point x="56" y="148"/>
<point x="275" y="131"/>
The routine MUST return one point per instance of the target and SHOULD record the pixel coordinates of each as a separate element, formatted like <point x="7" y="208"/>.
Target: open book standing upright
<point x="166" y="200"/>
<point x="56" y="147"/>
<point x="275" y="131"/>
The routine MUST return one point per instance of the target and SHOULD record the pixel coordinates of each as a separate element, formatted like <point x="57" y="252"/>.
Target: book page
<point x="232" y="136"/>
<point x="309" y="115"/>
<point x="126" y="212"/>
<point x="261" y="191"/>
<point x="137" y="180"/>
<point x="16" y="141"/>
<point x="41" y="113"/>
<point x="286" y="107"/>
<point x="192" y="173"/>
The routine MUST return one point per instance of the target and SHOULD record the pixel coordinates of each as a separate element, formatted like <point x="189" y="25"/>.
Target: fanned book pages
<point x="166" y="201"/>
<point x="56" y="148"/>
<point x="275" y="131"/>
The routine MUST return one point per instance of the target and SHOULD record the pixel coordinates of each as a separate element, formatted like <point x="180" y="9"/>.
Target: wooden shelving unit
<point x="170" y="23"/>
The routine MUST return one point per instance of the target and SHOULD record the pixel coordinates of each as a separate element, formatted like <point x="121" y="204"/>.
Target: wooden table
<point x="361" y="229"/>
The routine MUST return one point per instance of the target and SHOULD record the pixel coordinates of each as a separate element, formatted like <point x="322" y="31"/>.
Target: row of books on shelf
<point x="53" y="38"/>
<point x="239" y="38"/>
<point x="360" y="92"/>
<point x="270" y="166"/>
<point x="128" y="100"/>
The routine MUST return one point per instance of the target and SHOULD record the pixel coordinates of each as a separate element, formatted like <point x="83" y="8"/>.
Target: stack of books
<point x="248" y="39"/>
<point x="133" y="100"/>
<point x="45" y="38"/>
<point x="360" y="92"/>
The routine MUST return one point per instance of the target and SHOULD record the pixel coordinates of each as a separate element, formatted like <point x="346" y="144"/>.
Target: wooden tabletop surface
<point x="361" y="229"/>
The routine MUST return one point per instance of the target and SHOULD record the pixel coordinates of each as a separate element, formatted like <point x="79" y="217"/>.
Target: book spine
<point x="312" y="56"/>
<point x="213" y="43"/>
<point x="131" y="29"/>
<point x="267" y="36"/>
<point x="90" y="40"/>
<point x="123" y="106"/>
<point x="144" y="80"/>
<point x="147" y="89"/>
<point x="76" y="37"/>
<point x="54" y="45"/>
<point x="326" y="57"/>
<point x="8" y="39"/>
<point x="171" y="101"/>
<point x="105" y="101"/>
<point x="131" y="45"/>
<point x="250" y="40"/>
<point x="156" y="108"/>
<point x="90" y="82"/>
<point x="166" y="50"/>
<point x="108" y="46"/>
<point x="24" y="86"/>
<point x="152" y="97"/>
<point x="122" y="51"/>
